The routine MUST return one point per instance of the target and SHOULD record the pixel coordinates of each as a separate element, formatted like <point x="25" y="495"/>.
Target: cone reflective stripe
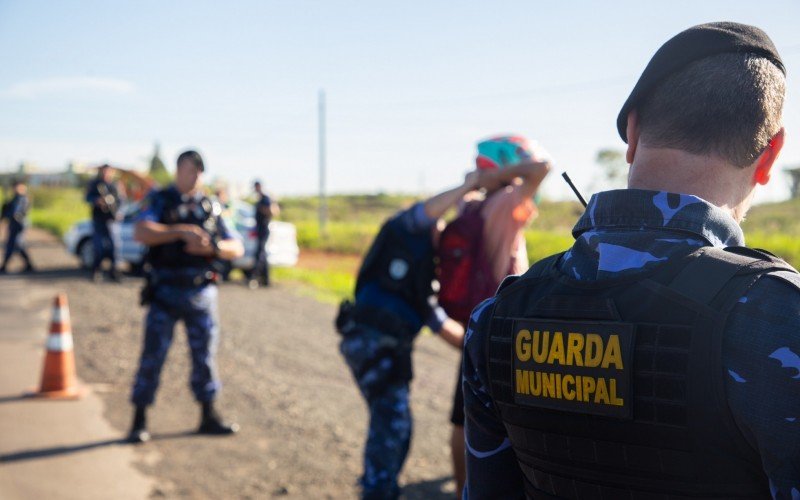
<point x="59" y="343"/>
<point x="58" y="377"/>
<point x="60" y="314"/>
<point x="60" y="338"/>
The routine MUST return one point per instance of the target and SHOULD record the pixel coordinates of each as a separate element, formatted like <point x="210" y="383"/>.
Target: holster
<point x="344" y="321"/>
<point x="148" y="292"/>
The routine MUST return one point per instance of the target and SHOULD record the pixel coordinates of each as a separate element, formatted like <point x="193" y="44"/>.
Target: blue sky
<point x="410" y="85"/>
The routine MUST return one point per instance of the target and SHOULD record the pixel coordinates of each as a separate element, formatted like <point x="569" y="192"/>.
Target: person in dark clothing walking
<point x="16" y="211"/>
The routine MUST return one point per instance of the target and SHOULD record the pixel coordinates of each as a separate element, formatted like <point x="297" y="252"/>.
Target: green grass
<point x="784" y="246"/>
<point x="324" y="285"/>
<point x="56" y="209"/>
<point x="351" y="238"/>
<point x="782" y="217"/>
<point x="541" y="244"/>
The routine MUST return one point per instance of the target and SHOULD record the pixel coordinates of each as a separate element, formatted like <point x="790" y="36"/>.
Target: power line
<point x="560" y="88"/>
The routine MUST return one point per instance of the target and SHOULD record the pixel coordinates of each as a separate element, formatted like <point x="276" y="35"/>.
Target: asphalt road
<point x="303" y="421"/>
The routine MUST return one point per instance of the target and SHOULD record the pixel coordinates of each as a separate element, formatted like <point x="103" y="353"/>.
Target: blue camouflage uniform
<point x="184" y="290"/>
<point x="16" y="213"/>
<point x="627" y="232"/>
<point x="381" y="366"/>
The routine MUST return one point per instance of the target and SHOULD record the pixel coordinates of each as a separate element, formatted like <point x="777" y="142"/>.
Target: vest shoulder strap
<point x="544" y="266"/>
<point x="788" y="277"/>
<point x="707" y="274"/>
<point x="539" y="269"/>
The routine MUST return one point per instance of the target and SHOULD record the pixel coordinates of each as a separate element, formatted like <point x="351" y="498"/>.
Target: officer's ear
<point x="767" y="158"/>
<point x="632" y="134"/>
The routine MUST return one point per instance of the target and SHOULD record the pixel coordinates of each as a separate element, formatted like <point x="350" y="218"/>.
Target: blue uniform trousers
<point x="102" y="243"/>
<point x="380" y="372"/>
<point x="197" y="307"/>
<point x="14" y="243"/>
<point x="261" y="267"/>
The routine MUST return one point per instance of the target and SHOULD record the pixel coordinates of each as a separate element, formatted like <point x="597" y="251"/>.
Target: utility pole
<point x="323" y="202"/>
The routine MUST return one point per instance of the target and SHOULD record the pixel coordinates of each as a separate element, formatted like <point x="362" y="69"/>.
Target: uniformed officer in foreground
<point x="16" y="212"/>
<point x="649" y="360"/>
<point x="394" y="299"/>
<point x="186" y="234"/>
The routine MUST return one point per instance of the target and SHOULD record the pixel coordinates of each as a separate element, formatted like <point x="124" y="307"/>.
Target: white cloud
<point x="68" y="85"/>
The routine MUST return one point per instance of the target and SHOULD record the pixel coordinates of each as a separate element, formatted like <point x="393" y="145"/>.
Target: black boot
<point x="138" y="432"/>
<point x="114" y="275"/>
<point x="211" y="422"/>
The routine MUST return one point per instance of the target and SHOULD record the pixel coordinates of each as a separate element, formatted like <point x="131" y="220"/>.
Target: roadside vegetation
<point x="329" y="261"/>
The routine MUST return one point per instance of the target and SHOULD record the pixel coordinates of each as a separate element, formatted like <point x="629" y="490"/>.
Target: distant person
<point x="485" y="243"/>
<point x="265" y="210"/>
<point x="102" y="195"/>
<point x="185" y="233"/>
<point x="16" y="212"/>
<point x="394" y="299"/>
<point x="657" y="357"/>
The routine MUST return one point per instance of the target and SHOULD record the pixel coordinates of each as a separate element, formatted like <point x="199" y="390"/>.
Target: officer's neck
<point x="707" y="177"/>
<point x="191" y="192"/>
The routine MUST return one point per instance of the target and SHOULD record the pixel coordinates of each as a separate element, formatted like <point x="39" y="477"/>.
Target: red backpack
<point x="464" y="272"/>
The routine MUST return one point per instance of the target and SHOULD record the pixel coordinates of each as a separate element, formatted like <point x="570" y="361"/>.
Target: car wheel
<point x="86" y="253"/>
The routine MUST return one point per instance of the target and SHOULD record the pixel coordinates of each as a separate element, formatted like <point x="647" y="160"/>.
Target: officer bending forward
<point x="185" y="233"/>
<point x="394" y="299"/>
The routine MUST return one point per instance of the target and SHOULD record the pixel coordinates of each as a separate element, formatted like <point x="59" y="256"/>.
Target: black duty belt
<point x="383" y="321"/>
<point x="184" y="280"/>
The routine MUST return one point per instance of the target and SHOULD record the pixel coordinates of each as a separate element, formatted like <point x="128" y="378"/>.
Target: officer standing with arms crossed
<point x="16" y="211"/>
<point x="649" y="361"/>
<point x="185" y="233"/>
<point x="102" y="195"/>
<point x="265" y="210"/>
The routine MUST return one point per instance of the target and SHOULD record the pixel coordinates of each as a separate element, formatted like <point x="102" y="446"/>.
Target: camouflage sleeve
<point x="436" y="318"/>
<point x="761" y="359"/>
<point x="222" y="228"/>
<point x="492" y="469"/>
<point x="415" y="219"/>
<point x="151" y="208"/>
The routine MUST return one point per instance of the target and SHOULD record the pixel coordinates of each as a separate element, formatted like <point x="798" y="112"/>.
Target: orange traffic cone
<point x="58" y="378"/>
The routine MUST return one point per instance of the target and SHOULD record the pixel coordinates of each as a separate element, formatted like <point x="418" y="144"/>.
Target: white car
<point x="282" y="249"/>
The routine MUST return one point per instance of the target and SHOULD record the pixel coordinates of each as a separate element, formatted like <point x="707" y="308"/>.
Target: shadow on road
<point x="431" y="489"/>
<point x="12" y="398"/>
<point x="51" y="274"/>
<point x="64" y="450"/>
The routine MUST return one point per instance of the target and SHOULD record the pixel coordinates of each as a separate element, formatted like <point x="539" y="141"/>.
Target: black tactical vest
<point x="199" y="212"/>
<point x="402" y="263"/>
<point x="614" y="389"/>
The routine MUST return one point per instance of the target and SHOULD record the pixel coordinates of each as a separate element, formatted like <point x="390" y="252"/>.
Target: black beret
<point x="696" y="43"/>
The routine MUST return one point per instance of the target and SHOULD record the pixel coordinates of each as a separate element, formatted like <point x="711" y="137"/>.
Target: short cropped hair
<point x="727" y="105"/>
<point x="192" y="156"/>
